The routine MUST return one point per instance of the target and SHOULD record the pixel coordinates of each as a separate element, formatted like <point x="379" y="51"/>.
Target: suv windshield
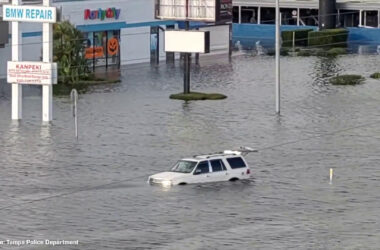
<point x="184" y="166"/>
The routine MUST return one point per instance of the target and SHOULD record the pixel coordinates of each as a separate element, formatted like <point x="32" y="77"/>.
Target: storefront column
<point x="239" y="14"/>
<point x="378" y="18"/>
<point x="298" y="16"/>
<point x="259" y="15"/>
<point x="360" y="18"/>
<point x="338" y="17"/>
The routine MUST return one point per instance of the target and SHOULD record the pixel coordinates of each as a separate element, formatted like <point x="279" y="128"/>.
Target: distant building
<point x="117" y="32"/>
<point x="361" y="13"/>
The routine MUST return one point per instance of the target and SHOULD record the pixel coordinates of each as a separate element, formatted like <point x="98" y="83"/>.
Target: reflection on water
<point x="97" y="185"/>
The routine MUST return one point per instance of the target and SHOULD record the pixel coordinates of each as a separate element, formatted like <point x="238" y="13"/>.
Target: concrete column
<point x="360" y="18"/>
<point x="365" y="18"/>
<point x="16" y="56"/>
<point x="47" y="90"/>
<point x="239" y="14"/>
<point x="327" y="12"/>
<point x="378" y="18"/>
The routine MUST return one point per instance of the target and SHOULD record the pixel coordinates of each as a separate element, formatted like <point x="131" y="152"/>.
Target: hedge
<point x="301" y="37"/>
<point x="329" y="38"/>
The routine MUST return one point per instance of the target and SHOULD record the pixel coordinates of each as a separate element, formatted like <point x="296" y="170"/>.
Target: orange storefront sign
<point x="97" y="52"/>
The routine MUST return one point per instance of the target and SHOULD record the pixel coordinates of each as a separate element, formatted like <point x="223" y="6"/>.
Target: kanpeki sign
<point x="32" y="73"/>
<point x="102" y="14"/>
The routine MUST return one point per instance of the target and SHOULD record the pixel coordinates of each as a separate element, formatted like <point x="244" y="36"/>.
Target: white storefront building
<point x="117" y="32"/>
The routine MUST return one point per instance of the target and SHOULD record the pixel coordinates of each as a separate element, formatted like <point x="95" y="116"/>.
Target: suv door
<point x="201" y="172"/>
<point x="219" y="170"/>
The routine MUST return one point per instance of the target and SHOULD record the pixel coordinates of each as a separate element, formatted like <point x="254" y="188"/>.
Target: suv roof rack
<point x="207" y="156"/>
<point x="241" y="151"/>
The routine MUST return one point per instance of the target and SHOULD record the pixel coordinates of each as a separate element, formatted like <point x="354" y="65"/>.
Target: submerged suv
<point x="226" y="166"/>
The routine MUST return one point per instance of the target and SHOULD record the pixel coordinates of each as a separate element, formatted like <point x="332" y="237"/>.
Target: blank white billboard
<point x="187" y="41"/>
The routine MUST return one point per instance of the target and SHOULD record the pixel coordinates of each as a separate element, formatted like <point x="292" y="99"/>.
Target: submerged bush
<point x="329" y="38"/>
<point x="304" y="53"/>
<point x="301" y="37"/>
<point x="375" y="75"/>
<point x="347" y="80"/>
<point x="196" y="96"/>
<point x="336" y="51"/>
<point x="283" y="52"/>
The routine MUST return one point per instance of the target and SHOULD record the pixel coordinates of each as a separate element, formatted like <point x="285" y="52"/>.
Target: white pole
<point x="239" y="14"/>
<point x="47" y="47"/>
<point x="360" y="18"/>
<point x="259" y="15"/>
<point x="278" y="47"/>
<point x="298" y="17"/>
<point x="16" y="57"/>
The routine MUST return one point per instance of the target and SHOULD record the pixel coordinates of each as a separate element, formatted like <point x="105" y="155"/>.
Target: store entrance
<point x="102" y="49"/>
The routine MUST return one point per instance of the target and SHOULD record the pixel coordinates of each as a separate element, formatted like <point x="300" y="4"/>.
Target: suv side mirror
<point x="197" y="171"/>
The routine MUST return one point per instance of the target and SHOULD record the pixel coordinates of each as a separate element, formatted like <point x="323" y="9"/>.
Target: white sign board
<point x="187" y="41"/>
<point x="24" y="13"/>
<point x="37" y="73"/>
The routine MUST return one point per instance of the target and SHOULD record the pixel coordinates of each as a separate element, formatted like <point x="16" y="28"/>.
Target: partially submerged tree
<point x="69" y="53"/>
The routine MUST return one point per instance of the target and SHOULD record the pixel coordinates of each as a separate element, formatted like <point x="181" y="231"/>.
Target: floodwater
<point x="94" y="190"/>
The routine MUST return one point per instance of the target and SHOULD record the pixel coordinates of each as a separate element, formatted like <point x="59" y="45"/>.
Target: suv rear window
<point x="236" y="162"/>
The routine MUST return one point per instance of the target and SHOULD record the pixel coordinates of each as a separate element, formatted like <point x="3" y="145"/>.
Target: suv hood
<point x="168" y="175"/>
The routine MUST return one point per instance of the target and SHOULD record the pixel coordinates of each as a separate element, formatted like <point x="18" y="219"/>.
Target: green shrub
<point x="347" y="80"/>
<point x="196" y="96"/>
<point x="301" y="37"/>
<point x="329" y="38"/>
<point x="375" y="75"/>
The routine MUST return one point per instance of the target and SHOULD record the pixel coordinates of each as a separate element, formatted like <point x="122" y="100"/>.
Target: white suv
<point x="226" y="166"/>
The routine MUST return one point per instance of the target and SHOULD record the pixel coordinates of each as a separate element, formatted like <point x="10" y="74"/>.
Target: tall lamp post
<point x="278" y="48"/>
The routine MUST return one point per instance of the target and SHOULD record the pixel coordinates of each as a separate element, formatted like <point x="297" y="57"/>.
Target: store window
<point x="103" y="48"/>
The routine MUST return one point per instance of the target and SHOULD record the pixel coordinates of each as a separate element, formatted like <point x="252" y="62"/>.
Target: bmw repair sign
<point x="29" y="14"/>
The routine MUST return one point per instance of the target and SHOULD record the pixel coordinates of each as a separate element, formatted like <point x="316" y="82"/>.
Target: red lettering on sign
<point x="87" y="13"/>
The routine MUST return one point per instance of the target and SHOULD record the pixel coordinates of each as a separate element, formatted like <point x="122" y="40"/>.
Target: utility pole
<point x="278" y="48"/>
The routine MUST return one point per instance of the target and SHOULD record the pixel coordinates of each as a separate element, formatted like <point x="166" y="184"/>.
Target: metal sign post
<point x="74" y="102"/>
<point x="47" y="90"/>
<point x="278" y="48"/>
<point x="40" y="73"/>
<point x="16" y="57"/>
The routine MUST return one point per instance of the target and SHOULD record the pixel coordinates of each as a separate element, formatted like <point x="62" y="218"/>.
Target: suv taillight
<point x="248" y="171"/>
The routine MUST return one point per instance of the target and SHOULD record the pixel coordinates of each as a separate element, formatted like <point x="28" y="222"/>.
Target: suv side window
<point x="217" y="165"/>
<point x="202" y="168"/>
<point x="236" y="162"/>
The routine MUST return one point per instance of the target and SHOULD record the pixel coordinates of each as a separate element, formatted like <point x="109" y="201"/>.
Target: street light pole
<point x="278" y="48"/>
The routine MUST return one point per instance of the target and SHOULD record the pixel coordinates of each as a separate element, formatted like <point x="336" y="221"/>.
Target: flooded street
<point x="94" y="190"/>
